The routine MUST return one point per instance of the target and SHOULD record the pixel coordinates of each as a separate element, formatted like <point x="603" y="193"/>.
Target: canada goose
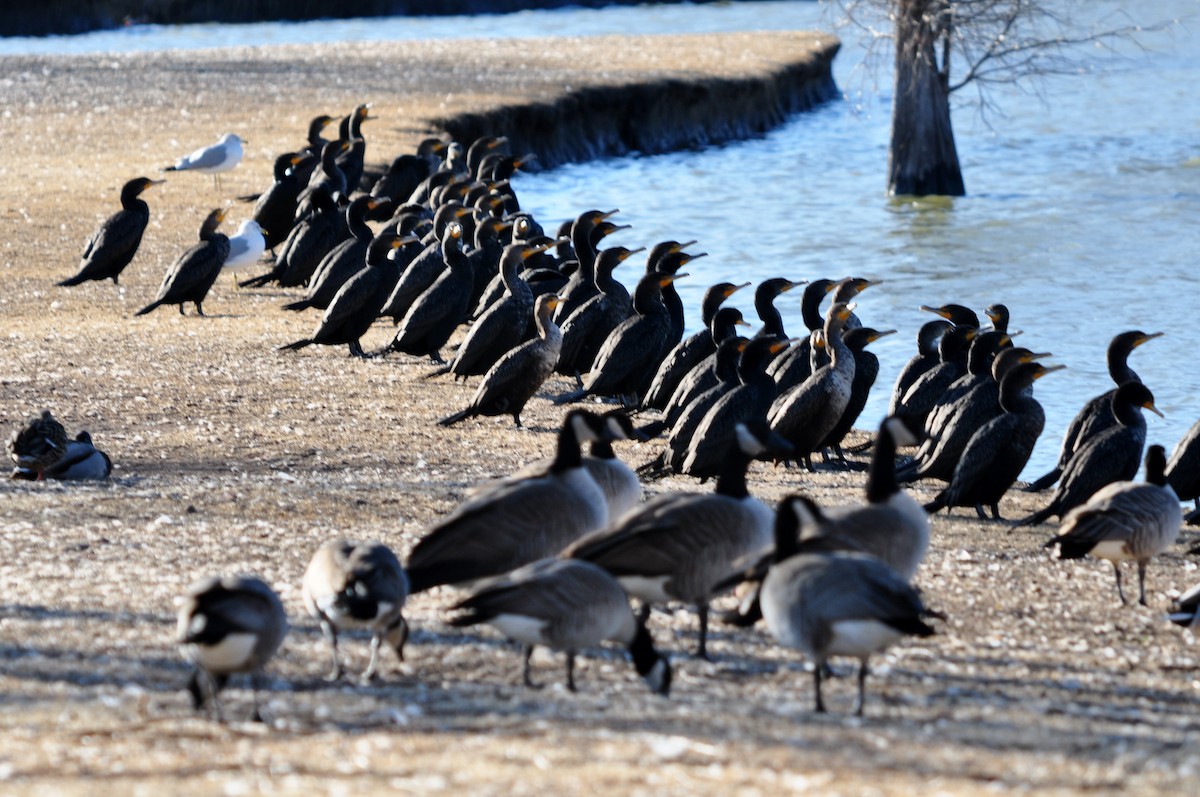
<point x="678" y="546"/>
<point x="37" y="445"/>
<point x="1187" y="608"/>
<point x="834" y="603"/>
<point x="227" y="625"/>
<point x="564" y="604"/>
<point x="891" y="526"/>
<point x="82" y="462"/>
<point x="357" y="585"/>
<point x="1125" y="521"/>
<point x="517" y="520"/>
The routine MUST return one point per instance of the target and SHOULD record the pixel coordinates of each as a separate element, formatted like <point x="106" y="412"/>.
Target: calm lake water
<point x="1082" y="214"/>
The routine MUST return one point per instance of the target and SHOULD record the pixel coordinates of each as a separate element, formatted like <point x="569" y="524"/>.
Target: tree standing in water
<point x="998" y="41"/>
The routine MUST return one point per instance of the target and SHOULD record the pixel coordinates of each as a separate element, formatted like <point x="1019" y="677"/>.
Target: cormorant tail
<point x="300" y="344"/>
<point x="150" y="307"/>
<point x="1044" y="482"/>
<point x="450" y="420"/>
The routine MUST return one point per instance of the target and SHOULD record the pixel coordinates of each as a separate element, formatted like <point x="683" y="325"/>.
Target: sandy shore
<point x="234" y="457"/>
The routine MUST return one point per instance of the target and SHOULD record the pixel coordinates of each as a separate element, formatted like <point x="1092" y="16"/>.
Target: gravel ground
<point x="233" y="457"/>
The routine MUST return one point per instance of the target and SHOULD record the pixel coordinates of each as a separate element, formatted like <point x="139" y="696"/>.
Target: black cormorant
<point x="115" y="242"/>
<point x="190" y="278"/>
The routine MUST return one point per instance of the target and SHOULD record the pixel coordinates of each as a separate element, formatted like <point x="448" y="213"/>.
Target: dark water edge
<point x="68" y="17"/>
<point x="653" y="117"/>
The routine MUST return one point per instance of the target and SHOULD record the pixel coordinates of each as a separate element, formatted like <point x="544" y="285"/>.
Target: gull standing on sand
<point x="213" y="159"/>
<point x="245" y="247"/>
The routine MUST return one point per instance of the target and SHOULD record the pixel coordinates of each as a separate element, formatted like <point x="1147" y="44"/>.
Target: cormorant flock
<point x="552" y="554"/>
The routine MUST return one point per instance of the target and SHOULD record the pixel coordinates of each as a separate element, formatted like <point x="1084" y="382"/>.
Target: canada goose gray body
<point x="834" y="603"/>
<point x="891" y="526"/>
<point x="566" y="605"/>
<point x="516" y="521"/>
<point x="228" y="625"/>
<point x="357" y="585"/>
<point x="1125" y="521"/>
<point x="679" y="546"/>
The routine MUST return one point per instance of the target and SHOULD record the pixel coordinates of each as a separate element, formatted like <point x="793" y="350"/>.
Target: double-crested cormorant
<point x="956" y="314"/>
<point x="213" y="159"/>
<point x="352" y="585"/>
<point x="275" y="210"/>
<point x="344" y="260"/>
<point x="807" y="414"/>
<point x="352" y="158"/>
<point x="939" y="453"/>
<point x="920" y="399"/>
<point x="1096" y="415"/>
<point x="715" y="438"/>
<point x="564" y="605"/>
<point x="228" y="625"/>
<point x="516" y="521"/>
<point x="833" y="603"/>
<point x="509" y="384"/>
<point x="589" y="229"/>
<point x="866" y="371"/>
<point x="431" y="263"/>
<point x="1125" y="521"/>
<point x="407" y="171"/>
<point x="679" y="546"/>
<point x="1183" y="469"/>
<point x="327" y="176"/>
<point x="306" y="245"/>
<point x="685" y="356"/>
<point x="482" y="147"/>
<point x="998" y="315"/>
<point x="437" y="312"/>
<point x="1110" y="456"/>
<point x="38" y="445"/>
<point x="626" y="363"/>
<point x="356" y="304"/>
<point x="704" y="375"/>
<point x="998" y="451"/>
<point x="667" y="258"/>
<point x="190" y="278"/>
<point x="586" y="329"/>
<point x="928" y="338"/>
<point x="115" y="242"/>
<point x="793" y="365"/>
<point x="502" y="328"/>
<point x="764" y="304"/>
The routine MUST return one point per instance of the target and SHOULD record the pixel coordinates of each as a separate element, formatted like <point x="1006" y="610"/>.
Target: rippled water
<point x="1082" y="214"/>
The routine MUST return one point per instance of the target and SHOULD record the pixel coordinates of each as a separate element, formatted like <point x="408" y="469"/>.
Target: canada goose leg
<point x="403" y="640"/>
<point x="817" y="669"/>
<point x="1142" y="581"/>
<point x="255" y="685"/>
<point x="571" y="671"/>
<point x="331" y="634"/>
<point x="1120" y="589"/>
<point x="702" y="650"/>
<point x="527" y="677"/>
<point x="862" y="688"/>
<point x="369" y="674"/>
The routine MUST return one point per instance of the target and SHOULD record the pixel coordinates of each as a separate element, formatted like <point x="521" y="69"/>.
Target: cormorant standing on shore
<point x="196" y="269"/>
<point x="115" y="242"/>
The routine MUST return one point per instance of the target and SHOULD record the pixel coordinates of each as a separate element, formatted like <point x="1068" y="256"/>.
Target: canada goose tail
<point x="149" y="308"/>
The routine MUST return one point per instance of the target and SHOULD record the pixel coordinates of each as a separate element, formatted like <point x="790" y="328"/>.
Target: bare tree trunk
<point x="922" y="158"/>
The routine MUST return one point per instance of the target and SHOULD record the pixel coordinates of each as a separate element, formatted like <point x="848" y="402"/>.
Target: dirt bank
<point x="234" y="457"/>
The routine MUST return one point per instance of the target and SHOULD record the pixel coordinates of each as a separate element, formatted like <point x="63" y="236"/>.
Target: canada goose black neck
<point x="1156" y="465"/>
<point x="646" y="659"/>
<point x="732" y="479"/>
<point x="881" y="474"/>
<point x="567" y="454"/>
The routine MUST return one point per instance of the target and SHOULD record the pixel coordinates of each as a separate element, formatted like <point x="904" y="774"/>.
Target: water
<point x="1081" y="215"/>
